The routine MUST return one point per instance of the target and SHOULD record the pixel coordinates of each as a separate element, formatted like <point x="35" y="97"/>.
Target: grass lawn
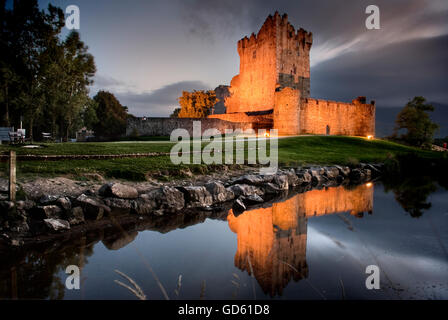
<point x="292" y="151"/>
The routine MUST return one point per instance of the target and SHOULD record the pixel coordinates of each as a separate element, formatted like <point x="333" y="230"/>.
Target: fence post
<point x="12" y="176"/>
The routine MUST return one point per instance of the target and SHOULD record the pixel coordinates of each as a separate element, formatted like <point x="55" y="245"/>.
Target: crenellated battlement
<point x="277" y="25"/>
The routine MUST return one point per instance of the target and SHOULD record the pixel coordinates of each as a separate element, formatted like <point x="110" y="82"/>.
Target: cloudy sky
<point x="148" y="51"/>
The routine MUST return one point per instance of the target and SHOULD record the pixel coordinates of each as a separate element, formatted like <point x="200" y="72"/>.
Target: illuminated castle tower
<point x="276" y="57"/>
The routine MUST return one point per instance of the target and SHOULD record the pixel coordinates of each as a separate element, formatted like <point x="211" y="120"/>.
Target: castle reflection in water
<point x="272" y="241"/>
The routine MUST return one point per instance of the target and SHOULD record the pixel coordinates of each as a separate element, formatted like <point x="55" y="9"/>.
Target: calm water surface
<point x="313" y="245"/>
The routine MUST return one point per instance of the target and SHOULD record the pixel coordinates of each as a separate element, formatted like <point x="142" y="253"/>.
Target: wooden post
<point x="14" y="294"/>
<point x="12" y="176"/>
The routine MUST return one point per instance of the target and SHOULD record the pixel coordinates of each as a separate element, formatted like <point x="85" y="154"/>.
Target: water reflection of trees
<point x="34" y="274"/>
<point x="412" y="194"/>
<point x="412" y="179"/>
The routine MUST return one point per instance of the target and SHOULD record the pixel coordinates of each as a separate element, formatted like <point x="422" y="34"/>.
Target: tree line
<point x="45" y="79"/>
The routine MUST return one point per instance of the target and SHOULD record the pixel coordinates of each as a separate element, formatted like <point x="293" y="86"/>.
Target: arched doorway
<point x="327" y="130"/>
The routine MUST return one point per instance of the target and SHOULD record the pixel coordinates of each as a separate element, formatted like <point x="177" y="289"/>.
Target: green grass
<point x="292" y="151"/>
<point x="340" y="150"/>
<point x="69" y="148"/>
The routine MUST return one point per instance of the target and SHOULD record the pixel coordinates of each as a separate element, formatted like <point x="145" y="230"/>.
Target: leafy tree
<point x="175" y="113"/>
<point x="25" y="33"/>
<point x="70" y="69"/>
<point x="42" y="77"/>
<point x="414" y="118"/>
<point x="111" y="114"/>
<point x="88" y="115"/>
<point x="196" y="104"/>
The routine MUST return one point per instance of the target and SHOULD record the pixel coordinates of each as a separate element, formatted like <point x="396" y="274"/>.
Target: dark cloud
<point x="390" y="75"/>
<point x="160" y="102"/>
<point x="337" y="25"/>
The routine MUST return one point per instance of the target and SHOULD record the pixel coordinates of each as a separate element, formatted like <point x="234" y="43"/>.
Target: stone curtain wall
<point x="164" y="126"/>
<point x="286" y="111"/>
<point x="355" y="119"/>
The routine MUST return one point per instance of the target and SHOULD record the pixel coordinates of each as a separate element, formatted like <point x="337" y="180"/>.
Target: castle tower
<point x="277" y="57"/>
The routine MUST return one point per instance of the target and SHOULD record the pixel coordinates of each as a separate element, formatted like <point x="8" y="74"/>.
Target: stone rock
<point x="356" y="175"/>
<point x="48" y="199"/>
<point x="245" y="190"/>
<point x="368" y="173"/>
<point x="293" y="180"/>
<point x="64" y="203"/>
<point x="20" y="227"/>
<point x="166" y="198"/>
<point x="16" y="242"/>
<point x="93" y="208"/>
<point x="57" y="224"/>
<point x="281" y="180"/>
<point x="219" y="192"/>
<point x="186" y="172"/>
<point x="252" y="179"/>
<point x="375" y="172"/>
<point x="117" y="203"/>
<point x="304" y="177"/>
<point x="317" y="178"/>
<point x="343" y="171"/>
<point x="331" y="173"/>
<point x="197" y="196"/>
<point x="142" y="205"/>
<point x="271" y="188"/>
<point x="50" y="211"/>
<point x="118" y="190"/>
<point x="253" y="199"/>
<point x="25" y="205"/>
<point x="76" y="216"/>
<point x="6" y="205"/>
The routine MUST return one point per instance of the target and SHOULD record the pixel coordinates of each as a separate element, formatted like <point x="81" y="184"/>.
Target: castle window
<point x="254" y="54"/>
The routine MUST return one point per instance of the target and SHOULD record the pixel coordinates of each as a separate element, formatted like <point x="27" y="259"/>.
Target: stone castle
<point x="273" y="87"/>
<point x="272" y="90"/>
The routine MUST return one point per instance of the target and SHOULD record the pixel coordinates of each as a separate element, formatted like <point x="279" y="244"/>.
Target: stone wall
<point x="337" y="118"/>
<point x="286" y="111"/>
<point x="164" y="126"/>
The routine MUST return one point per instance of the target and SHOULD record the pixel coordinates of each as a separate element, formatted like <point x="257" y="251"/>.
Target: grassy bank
<point x="292" y="151"/>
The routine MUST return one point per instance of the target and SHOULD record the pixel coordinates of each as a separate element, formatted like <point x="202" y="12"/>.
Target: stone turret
<point x="277" y="56"/>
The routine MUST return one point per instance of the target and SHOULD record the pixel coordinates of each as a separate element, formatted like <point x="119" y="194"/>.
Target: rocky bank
<point x="77" y="209"/>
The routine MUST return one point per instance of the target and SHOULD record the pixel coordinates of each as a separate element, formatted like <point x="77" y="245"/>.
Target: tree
<point x="111" y="114"/>
<point x="42" y="77"/>
<point x="196" y="104"/>
<point x="25" y="33"/>
<point x="414" y="118"/>
<point x="175" y="113"/>
<point x="71" y="69"/>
